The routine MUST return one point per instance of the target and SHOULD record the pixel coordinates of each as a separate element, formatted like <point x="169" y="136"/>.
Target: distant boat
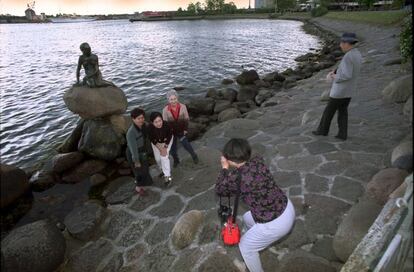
<point x="72" y="20"/>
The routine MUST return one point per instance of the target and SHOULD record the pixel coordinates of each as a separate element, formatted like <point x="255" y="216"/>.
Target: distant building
<point x="264" y="4"/>
<point x="259" y="4"/>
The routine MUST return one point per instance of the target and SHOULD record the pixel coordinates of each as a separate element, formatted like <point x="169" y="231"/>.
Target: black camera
<point x="224" y="212"/>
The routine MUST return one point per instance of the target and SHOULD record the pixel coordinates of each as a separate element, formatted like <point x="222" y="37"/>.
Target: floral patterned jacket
<point x="257" y="189"/>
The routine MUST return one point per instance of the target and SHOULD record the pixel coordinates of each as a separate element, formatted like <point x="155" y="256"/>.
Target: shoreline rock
<point x="90" y="103"/>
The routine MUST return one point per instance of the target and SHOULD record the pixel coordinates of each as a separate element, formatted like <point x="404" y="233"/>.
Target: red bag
<point x="230" y="232"/>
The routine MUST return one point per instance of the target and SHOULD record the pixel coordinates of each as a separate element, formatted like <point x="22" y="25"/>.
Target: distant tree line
<point x="211" y="7"/>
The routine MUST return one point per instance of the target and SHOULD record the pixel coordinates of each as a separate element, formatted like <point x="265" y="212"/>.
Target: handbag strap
<point x="228" y="197"/>
<point x="236" y="199"/>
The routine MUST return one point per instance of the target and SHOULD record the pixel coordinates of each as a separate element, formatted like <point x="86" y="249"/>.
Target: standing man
<point x="343" y="88"/>
<point x="136" y="153"/>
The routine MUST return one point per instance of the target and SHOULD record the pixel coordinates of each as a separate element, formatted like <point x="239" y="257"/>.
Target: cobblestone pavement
<point x="323" y="177"/>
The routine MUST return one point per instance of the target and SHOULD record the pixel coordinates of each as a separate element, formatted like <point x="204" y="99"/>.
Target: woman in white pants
<point x="271" y="214"/>
<point x="161" y="138"/>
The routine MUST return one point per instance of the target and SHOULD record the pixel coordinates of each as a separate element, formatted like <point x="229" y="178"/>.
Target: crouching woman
<point x="271" y="214"/>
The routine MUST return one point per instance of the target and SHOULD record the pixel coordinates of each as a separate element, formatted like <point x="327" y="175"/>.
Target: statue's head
<point x="85" y="48"/>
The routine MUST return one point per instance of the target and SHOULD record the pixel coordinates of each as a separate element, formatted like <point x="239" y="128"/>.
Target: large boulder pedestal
<point x="95" y="102"/>
<point x="39" y="246"/>
<point x="14" y="183"/>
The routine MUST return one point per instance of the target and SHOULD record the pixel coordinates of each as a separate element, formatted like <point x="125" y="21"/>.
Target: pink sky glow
<point x="88" y="7"/>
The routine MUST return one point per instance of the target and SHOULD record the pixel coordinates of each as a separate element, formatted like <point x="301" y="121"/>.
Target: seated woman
<point x="161" y="138"/>
<point x="271" y="214"/>
<point x="176" y="115"/>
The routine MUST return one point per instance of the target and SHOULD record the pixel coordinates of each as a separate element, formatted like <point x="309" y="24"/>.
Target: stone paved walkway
<point x="323" y="177"/>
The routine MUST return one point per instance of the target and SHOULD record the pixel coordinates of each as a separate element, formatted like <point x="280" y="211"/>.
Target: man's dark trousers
<point x="340" y="105"/>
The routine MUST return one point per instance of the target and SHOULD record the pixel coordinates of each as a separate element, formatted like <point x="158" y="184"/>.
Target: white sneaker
<point x="167" y="180"/>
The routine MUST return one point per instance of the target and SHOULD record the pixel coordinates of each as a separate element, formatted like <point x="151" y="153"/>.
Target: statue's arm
<point x="78" y="69"/>
<point x="96" y="66"/>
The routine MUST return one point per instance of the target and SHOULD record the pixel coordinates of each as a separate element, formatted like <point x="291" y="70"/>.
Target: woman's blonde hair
<point x="171" y="93"/>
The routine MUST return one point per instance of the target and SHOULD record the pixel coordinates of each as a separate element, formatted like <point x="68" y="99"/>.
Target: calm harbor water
<point x="145" y="59"/>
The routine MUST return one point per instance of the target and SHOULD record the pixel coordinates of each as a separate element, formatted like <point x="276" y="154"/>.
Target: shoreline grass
<point x="383" y="18"/>
<point x="390" y="17"/>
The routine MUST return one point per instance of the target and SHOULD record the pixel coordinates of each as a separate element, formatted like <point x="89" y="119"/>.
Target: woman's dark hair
<point x="137" y="112"/>
<point x="237" y="150"/>
<point x="154" y="115"/>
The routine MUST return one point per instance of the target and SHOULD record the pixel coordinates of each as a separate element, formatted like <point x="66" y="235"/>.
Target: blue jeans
<point x="186" y="144"/>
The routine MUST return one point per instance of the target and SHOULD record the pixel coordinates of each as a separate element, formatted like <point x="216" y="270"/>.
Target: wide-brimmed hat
<point x="349" y="37"/>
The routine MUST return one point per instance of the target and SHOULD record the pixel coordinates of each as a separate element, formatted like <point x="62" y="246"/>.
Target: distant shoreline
<point x="207" y="17"/>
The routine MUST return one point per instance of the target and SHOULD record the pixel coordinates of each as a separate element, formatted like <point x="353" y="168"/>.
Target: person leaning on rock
<point x="90" y="63"/>
<point x="271" y="214"/>
<point x="343" y="88"/>
<point x="176" y="115"/>
<point x="136" y="152"/>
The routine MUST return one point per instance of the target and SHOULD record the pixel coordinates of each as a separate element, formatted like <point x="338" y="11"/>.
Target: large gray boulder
<point x="247" y="93"/>
<point x="399" y="90"/>
<point x="186" y="227"/>
<point x="384" y="183"/>
<point x="195" y="130"/>
<point x="70" y="144"/>
<point x="408" y="108"/>
<point x="89" y="257"/>
<point x="95" y="102"/>
<point x="100" y="140"/>
<point x="262" y="96"/>
<point x="42" y="180"/>
<point x="222" y="105"/>
<point x="63" y="162"/>
<point x="247" y="77"/>
<point x="120" y="123"/>
<point x="402" y="156"/>
<point x="83" y="171"/>
<point x="218" y="262"/>
<point x="203" y="106"/>
<point x="300" y="260"/>
<point x="39" y="246"/>
<point x="14" y="184"/>
<point x="229" y="94"/>
<point x="83" y="221"/>
<point x="354" y="226"/>
<point x="229" y="114"/>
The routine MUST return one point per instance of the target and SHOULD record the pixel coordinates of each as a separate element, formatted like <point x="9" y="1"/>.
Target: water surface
<point x="145" y="59"/>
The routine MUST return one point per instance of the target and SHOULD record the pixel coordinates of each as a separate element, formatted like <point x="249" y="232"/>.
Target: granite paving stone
<point x="305" y="164"/>
<point x="362" y="172"/>
<point x="287" y="150"/>
<point x="286" y="179"/>
<point x="141" y="203"/>
<point x="347" y="189"/>
<point x="328" y="208"/>
<point x="134" y="232"/>
<point x="118" y="221"/>
<point x="319" y="147"/>
<point x="331" y="168"/>
<point x="133" y="254"/>
<point x="171" y="207"/>
<point x="316" y="184"/>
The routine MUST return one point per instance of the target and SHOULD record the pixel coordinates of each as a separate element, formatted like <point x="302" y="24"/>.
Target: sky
<point x="88" y="7"/>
